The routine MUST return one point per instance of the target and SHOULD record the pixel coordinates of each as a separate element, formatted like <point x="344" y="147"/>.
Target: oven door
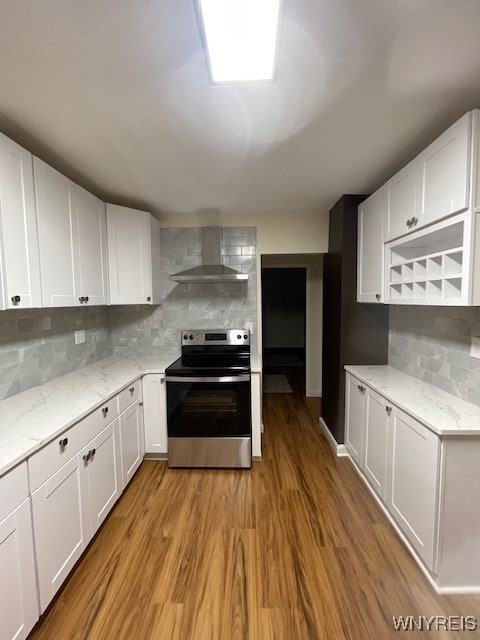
<point x="209" y="421"/>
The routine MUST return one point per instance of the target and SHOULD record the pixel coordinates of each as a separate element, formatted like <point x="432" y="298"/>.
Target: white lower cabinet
<point x="355" y="419"/>
<point x="378" y="417"/>
<point x="18" y="589"/>
<point x="132" y="442"/>
<point x="412" y="498"/>
<point x="400" y="459"/>
<point x="69" y="508"/>
<point x="71" y="505"/>
<point x="256" y="382"/>
<point x="62" y="526"/>
<point x="427" y="483"/>
<point x="103" y="470"/>
<point x="155" y="413"/>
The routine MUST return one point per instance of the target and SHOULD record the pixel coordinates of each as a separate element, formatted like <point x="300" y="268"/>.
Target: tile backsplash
<point x="37" y="345"/>
<point x="433" y="344"/>
<point x="141" y="330"/>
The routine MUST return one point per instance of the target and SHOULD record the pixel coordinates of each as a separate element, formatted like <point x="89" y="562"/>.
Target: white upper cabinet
<point x="445" y="172"/>
<point x="370" y="248"/>
<point x="72" y="240"/>
<point x="90" y="247"/>
<point x="402" y="195"/>
<point x="55" y="233"/>
<point x="431" y="229"/>
<point x="19" y="264"/>
<point x="133" y="256"/>
<point x="434" y="185"/>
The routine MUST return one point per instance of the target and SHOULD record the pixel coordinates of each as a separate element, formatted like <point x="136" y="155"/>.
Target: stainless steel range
<point x="209" y="402"/>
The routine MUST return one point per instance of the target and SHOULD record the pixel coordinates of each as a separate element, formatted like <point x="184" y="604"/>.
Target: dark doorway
<point x="284" y="301"/>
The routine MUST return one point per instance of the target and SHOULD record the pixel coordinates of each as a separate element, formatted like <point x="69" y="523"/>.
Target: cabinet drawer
<point x="13" y="489"/>
<point x="131" y="394"/>
<point x="48" y="460"/>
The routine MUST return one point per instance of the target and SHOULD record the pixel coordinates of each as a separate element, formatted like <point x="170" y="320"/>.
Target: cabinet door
<point x="445" y="166"/>
<point x="18" y="228"/>
<point x="256" y="391"/>
<point x="129" y="255"/>
<point x="55" y="232"/>
<point x="155" y="413"/>
<point x="62" y="526"/>
<point x="131" y="441"/>
<point x="18" y="589"/>
<point x="414" y="483"/>
<point x="355" y="419"/>
<point x="370" y="257"/>
<point x="103" y="470"/>
<point x="90" y="244"/>
<point x="378" y="413"/>
<point x="403" y="213"/>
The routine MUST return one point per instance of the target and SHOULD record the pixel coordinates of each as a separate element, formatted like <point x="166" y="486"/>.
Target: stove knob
<point x="191" y="337"/>
<point x="185" y="337"/>
<point x="245" y="337"/>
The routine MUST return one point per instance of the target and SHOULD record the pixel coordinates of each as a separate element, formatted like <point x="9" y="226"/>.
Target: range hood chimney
<point x="211" y="269"/>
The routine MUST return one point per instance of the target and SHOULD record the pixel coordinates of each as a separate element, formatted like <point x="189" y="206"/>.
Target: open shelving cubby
<point x="428" y="268"/>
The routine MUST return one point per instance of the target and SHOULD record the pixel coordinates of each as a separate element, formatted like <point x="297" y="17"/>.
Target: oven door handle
<point x="242" y="378"/>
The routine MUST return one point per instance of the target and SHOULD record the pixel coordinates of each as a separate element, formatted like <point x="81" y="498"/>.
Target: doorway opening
<point x="284" y="328"/>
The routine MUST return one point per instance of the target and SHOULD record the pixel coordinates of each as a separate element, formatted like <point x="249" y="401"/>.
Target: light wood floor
<point x="295" y="549"/>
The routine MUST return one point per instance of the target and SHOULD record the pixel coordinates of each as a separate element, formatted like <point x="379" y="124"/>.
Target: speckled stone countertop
<point x="31" y="419"/>
<point x="438" y="410"/>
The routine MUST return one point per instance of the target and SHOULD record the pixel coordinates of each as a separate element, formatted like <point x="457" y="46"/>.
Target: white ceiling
<point x="115" y="93"/>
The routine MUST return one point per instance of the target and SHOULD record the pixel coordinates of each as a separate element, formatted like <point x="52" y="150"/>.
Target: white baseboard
<point x="338" y="449"/>
<point x="314" y="393"/>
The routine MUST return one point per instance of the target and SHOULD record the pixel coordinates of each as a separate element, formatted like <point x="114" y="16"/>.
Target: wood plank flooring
<point x="295" y="549"/>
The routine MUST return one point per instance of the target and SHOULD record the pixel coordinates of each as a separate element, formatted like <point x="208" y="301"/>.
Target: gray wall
<point x="37" y="345"/>
<point x="142" y="330"/>
<point x="433" y="344"/>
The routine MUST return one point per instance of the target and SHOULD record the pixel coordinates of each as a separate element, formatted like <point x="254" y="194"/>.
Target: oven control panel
<point x="216" y="336"/>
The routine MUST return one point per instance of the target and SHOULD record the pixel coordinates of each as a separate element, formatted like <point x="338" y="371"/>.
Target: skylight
<point x="241" y="38"/>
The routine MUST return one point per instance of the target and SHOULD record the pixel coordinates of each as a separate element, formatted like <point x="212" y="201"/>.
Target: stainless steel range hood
<point x="211" y="269"/>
